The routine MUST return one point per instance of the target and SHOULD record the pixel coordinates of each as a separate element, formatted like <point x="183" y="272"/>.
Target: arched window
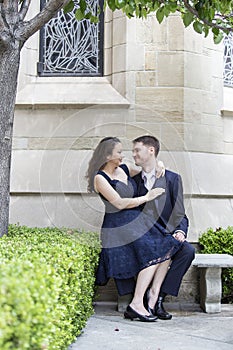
<point x="228" y="60"/>
<point x="72" y="48"/>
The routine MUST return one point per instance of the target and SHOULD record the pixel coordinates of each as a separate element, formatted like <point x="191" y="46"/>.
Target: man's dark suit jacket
<point x="168" y="209"/>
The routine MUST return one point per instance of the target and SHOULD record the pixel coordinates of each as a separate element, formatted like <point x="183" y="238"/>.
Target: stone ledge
<point x="227" y="109"/>
<point x="213" y="260"/>
<point x="76" y="94"/>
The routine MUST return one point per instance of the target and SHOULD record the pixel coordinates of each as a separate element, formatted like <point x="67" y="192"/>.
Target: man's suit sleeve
<point x="179" y="217"/>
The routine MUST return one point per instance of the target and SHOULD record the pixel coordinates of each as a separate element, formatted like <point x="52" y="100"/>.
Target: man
<point x="168" y="211"/>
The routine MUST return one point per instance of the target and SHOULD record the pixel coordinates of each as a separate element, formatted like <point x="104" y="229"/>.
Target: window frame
<point x="100" y="58"/>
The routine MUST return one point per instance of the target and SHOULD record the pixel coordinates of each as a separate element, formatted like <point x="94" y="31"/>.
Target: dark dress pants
<point x="125" y="286"/>
<point x="181" y="261"/>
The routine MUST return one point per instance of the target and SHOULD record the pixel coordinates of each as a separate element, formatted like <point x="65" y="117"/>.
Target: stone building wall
<point x="159" y="79"/>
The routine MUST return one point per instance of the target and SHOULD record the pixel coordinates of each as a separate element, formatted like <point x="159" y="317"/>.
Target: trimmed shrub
<point x="47" y="280"/>
<point x="220" y="241"/>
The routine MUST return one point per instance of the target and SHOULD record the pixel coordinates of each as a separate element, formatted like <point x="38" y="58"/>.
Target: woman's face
<point x="116" y="156"/>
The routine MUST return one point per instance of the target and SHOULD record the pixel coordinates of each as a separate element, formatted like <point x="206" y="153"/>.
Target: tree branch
<point x="26" y="29"/>
<point x="24" y="9"/>
<point x="205" y="21"/>
<point x="1" y="17"/>
<point x="4" y="28"/>
<point x="9" y="14"/>
<point x="11" y="7"/>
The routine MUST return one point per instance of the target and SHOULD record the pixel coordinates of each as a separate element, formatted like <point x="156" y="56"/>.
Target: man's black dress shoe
<point x="159" y="310"/>
<point x="132" y="314"/>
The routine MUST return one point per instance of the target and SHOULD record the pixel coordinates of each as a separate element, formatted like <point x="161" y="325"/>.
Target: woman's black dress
<point x="131" y="241"/>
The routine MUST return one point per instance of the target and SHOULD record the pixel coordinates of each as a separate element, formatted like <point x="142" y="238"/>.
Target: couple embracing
<point x="144" y="229"/>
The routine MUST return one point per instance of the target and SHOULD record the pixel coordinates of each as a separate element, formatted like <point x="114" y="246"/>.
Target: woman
<point x="132" y="245"/>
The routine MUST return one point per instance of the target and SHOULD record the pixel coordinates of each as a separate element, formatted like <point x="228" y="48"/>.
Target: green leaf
<point x="218" y="38"/>
<point x="206" y="31"/>
<point x="88" y="15"/>
<point x="172" y="7"/>
<point x="79" y="15"/>
<point x="68" y="7"/>
<point x="94" y="19"/>
<point x="187" y="19"/>
<point x="198" y="27"/>
<point x="120" y="3"/>
<point x="215" y="31"/>
<point x="155" y="5"/>
<point x="160" y="14"/>
<point x="211" y="13"/>
<point x="83" y="5"/>
<point x="111" y="4"/>
<point x="144" y="13"/>
<point x="167" y="11"/>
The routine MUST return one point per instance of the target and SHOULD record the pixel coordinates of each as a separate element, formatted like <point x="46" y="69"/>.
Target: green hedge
<point x="46" y="286"/>
<point x="220" y="241"/>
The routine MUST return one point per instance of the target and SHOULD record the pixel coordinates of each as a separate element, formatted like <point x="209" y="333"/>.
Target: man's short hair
<point x="148" y="140"/>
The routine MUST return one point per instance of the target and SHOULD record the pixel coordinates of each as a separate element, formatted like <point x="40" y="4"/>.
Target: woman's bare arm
<point x="102" y="186"/>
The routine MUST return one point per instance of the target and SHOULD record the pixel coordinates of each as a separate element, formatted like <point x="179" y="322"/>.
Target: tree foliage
<point x="204" y="15"/>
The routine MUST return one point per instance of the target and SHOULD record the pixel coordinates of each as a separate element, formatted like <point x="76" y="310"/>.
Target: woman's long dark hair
<point x="99" y="159"/>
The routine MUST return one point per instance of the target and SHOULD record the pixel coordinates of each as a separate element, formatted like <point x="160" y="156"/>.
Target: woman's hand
<point x="154" y="193"/>
<point x="160" y="169"/>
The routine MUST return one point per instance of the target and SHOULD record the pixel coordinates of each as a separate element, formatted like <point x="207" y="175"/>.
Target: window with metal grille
<point x="72" y="48"/>
<point x="228" y="60"/>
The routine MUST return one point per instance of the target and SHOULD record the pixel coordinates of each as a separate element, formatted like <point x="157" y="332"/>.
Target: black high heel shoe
<point x="132" y="314"/>
<point x="146" y="304"/>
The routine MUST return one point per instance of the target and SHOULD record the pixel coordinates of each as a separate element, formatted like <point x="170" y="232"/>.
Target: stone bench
<point x="210" y="266"/>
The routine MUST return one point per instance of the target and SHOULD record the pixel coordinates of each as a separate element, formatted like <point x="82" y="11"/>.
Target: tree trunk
<point x="9" y="66"/>
<point x="14" y="31"/>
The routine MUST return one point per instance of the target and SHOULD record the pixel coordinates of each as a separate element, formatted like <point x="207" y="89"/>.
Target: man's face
<point x="143" y="154"/>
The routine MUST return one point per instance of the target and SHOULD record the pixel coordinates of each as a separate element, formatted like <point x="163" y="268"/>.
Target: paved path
<point x="188" y="330"/>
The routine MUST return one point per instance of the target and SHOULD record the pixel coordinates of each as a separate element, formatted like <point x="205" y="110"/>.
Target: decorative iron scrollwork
<point x="228" y="60"/>
<point x="70" y="47"/>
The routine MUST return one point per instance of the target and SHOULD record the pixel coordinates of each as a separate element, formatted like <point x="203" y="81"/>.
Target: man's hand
<point x="179" y="235"/>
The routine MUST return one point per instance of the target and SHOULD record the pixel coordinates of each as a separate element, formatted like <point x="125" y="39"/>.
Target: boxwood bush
<point x="220" y="241"/>
<point x="46" y="286"/>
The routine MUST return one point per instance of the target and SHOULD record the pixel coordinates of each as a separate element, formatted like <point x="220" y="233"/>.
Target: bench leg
<point x="210" y="289"/>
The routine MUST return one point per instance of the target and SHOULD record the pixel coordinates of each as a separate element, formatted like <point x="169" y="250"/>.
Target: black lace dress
<point x="131" y="241"/>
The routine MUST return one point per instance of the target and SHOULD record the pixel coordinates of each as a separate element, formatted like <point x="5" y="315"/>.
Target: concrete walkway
<point x="188" y="330"/>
